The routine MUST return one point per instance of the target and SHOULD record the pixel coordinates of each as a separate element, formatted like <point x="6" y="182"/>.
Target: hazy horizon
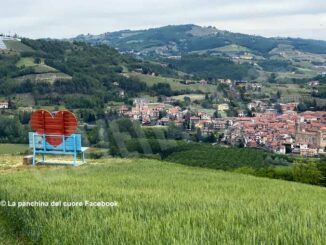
<point x="64" y="19"/>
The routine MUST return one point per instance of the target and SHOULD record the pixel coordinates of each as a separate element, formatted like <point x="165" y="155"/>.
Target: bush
<point x="12" y="131"/>
<point x="307" y="172"/>
<point x="285" y="173"/>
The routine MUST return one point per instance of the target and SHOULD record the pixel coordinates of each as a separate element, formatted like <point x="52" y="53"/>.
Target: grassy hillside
<point x="38" y="68"/>
<point x="162" y="202"/>
<point x="208" y="67"/>
<point x="54" y="67"/>
<point x="17" y="46"/>
<point x="232" y="54"/>
<point x="175" y="84"/>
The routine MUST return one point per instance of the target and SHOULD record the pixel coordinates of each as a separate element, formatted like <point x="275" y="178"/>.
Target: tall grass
<point x="6" y="236"/>
<point x="163" y="203"/>
<point x="13" y="148"/>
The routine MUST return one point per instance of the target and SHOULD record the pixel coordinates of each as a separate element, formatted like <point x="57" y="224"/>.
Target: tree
<point x="272" y="78"/>
<point x="240" y="143"/>
<point x="279" y="94"/>
<point x="198" y="135"/>
<point x="192" y="126"/>
<point x="162" y="114"/>
<point x="162" y="89"/>
<point x="24" y="117"/>
<point x="174" y="132"/>
<point x="211" y="138"/>
<point x="321" y="165"/>
<point x="187" y="100"/>
<point x="302" y="107"/>
<point x="307" y="172"/>
<point x="217" y="114"/>
<point x="206" y="104"/>
<point x="37" y="60"/>
<point x="278" y="107"/>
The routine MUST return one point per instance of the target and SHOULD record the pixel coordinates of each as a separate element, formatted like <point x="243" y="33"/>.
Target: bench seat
<point x="70" y="145"/>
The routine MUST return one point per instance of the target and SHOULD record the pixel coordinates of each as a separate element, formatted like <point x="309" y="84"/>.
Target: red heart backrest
<point x="60" y="123"/>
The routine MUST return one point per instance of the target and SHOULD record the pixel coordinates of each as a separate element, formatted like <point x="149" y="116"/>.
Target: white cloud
<point x="64" y="18"/>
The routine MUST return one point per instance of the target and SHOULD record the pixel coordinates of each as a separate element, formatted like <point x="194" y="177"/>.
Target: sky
<point x="69" y="18"/>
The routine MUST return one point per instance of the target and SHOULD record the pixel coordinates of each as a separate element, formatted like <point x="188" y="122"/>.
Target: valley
<point x="199" y="135"/>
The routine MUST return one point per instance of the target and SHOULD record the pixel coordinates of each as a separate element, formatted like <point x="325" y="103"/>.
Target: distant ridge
<point x="180" y="39"/>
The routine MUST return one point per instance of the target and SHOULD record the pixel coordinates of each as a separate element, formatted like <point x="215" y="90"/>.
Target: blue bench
<point x="70" y="146"/>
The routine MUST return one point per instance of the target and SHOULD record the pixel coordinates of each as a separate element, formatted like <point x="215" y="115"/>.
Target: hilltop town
<point x="287" y="133"/>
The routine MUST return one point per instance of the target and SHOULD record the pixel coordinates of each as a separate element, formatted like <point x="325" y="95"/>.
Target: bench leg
<point x="75" y="159"/>
<point x="34" y="155"/>
<point x="83" y="157"/>
<point x="43" y="158"/>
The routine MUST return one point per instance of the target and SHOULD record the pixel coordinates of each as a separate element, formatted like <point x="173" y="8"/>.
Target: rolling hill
<point x="177" y="40"/>
<point x="44" y="69"/>
<point x="290" y="57"/>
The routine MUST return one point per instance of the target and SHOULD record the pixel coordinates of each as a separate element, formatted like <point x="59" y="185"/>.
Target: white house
<point x="4" y="105"/>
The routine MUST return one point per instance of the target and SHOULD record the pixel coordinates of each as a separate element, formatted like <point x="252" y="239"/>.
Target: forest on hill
<point x="233" y="55"/>
<point x="189" y="38"/>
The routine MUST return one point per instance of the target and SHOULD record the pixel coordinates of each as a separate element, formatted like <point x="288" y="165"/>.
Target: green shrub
<point x="307" y="172"/>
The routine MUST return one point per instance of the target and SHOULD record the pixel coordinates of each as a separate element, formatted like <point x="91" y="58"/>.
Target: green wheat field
<point x="158" y="203"/>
